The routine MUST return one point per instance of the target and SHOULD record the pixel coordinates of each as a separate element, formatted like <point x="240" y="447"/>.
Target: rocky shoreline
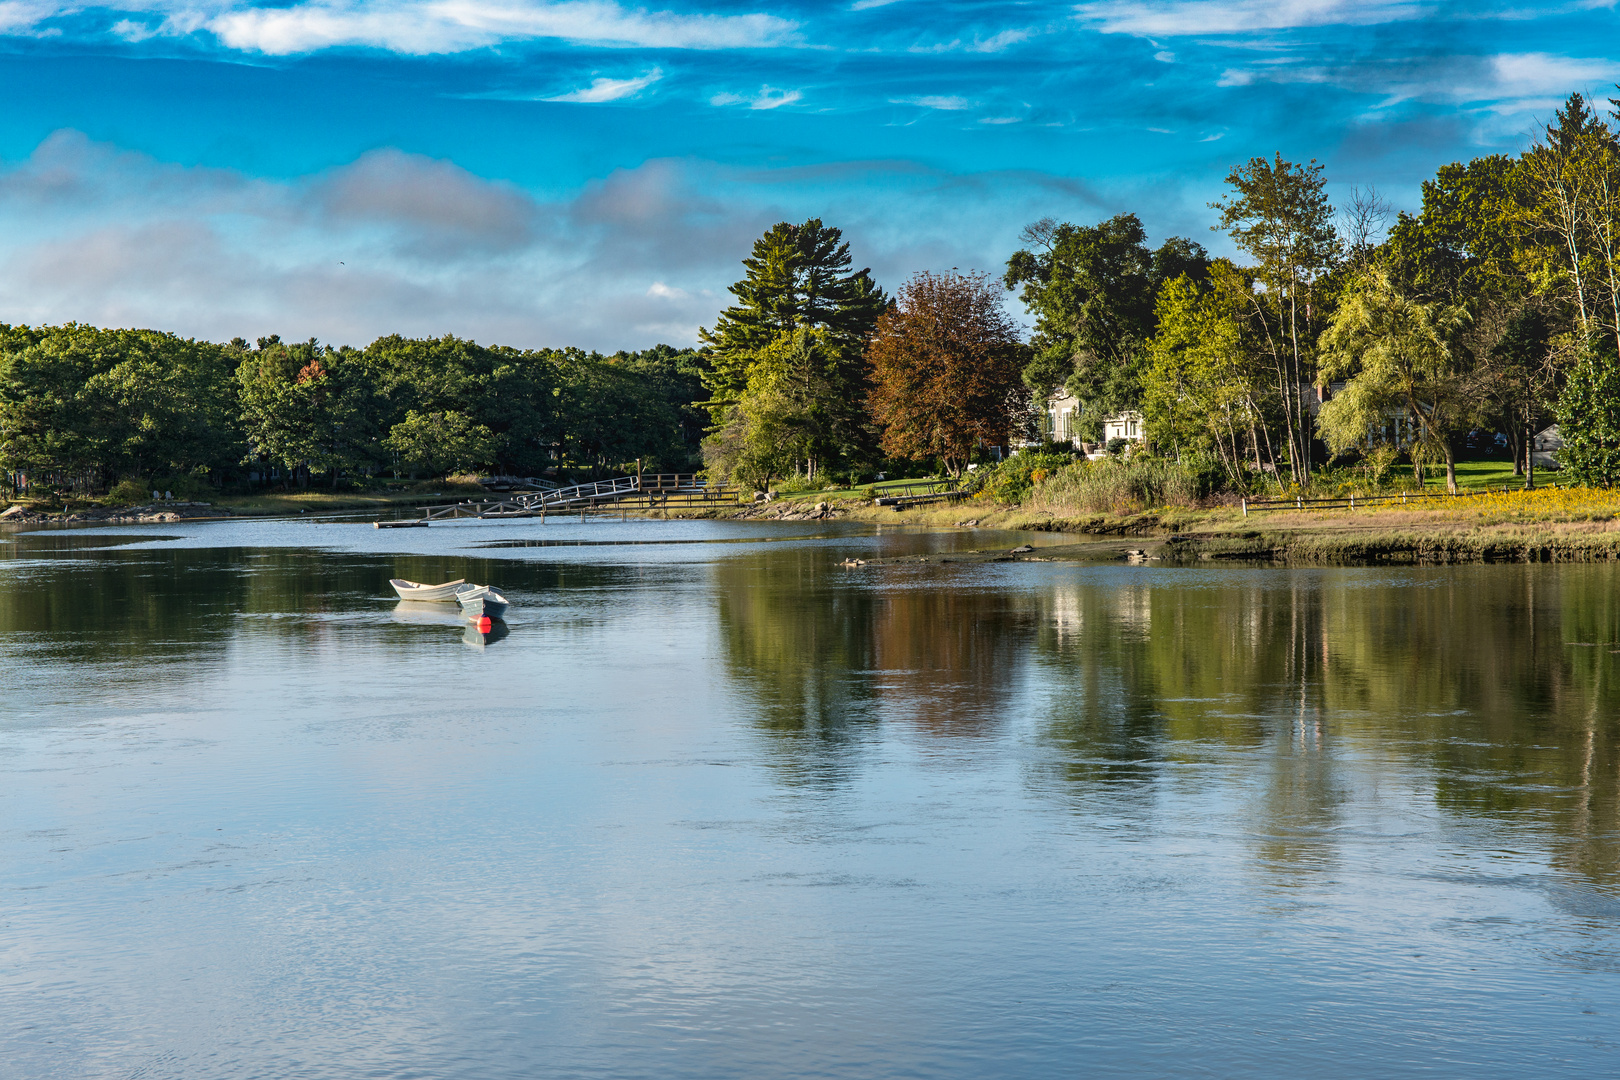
<point x="115" y="515"/>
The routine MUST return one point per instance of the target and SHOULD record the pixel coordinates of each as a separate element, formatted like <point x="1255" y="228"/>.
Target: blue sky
<point x="590" y="173"/>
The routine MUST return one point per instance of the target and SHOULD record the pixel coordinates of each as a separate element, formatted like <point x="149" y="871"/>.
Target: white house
<point x="1059" y="422"/>
<point x="1128" y="425"/>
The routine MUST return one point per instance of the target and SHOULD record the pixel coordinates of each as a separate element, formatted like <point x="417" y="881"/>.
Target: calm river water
<point x="718" y="807"/>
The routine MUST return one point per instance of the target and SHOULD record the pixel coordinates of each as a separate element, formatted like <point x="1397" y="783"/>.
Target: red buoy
<point x="484" y="625"/>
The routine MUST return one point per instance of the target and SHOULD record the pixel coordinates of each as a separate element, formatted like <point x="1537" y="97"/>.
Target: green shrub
<point x="796" y="484"/>
<point x="1011" y="480"/>
<point x="129" y="493"/>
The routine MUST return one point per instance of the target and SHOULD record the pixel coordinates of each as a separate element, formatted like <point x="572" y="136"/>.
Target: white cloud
<point x="1165" y="56"/>
<point x="132" y="31"/>
<point x="1002" y="120"/>
<point x="1531" y="74"/>
<point x="400" y="243"/>
<point x="1183" y="17"/>
<point x="935" y="101"/>
<point x="420" y="27"/>
<point x="998" y="42"/>
<point x="993" y="44"/>
<point x="611" y="89"/>
<point x="1513" y="82"/>
<point x="864" y="5"/>
<point x="21" y="15"/>
<point x="769" y="97"/>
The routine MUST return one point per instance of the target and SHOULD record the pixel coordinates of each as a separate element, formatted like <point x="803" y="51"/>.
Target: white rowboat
<point x="415" y="590"/>
<point x="479" y="601"/>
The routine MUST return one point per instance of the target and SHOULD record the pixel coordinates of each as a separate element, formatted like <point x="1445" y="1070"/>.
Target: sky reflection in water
<point x="713" y="810"/>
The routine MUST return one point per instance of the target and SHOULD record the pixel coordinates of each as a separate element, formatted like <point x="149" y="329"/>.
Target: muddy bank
<point x="1298" y="549"/>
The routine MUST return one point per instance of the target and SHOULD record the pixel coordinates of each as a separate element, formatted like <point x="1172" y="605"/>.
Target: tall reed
<point x="1110" y="486"/>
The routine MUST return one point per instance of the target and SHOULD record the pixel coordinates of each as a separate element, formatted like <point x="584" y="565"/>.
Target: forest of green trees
<point x="85" y="407"/>
<point x="1335" y="335"/>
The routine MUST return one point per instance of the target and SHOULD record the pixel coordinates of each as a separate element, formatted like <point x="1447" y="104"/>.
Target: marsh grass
<point x="1111" y="486"/>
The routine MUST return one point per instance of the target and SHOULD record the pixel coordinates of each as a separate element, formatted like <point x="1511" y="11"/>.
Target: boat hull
<point x="432" y="594"/>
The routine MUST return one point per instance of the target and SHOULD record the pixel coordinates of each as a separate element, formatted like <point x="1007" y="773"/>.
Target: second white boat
<point x="478" y="601"/>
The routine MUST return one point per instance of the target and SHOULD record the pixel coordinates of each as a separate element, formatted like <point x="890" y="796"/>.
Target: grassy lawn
<point x="1473" y="475"/>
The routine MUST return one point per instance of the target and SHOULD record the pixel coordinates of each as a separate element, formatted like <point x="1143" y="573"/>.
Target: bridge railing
<point x="657" y="489"/>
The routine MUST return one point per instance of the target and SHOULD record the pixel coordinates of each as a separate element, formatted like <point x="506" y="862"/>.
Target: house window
<point x="1130" y="429"/>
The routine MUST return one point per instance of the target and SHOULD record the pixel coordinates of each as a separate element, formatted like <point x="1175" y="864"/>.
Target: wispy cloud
<point x="23" y="15"/>
<point x="1184" y="17"/>
<point x="935" y="101"/>
<point x="422" y="27"/>
<point x="768" y="97"/>
<point x="1509" y="82"/>
<point x="611" y="89"/>
<point x="993" y="44"/>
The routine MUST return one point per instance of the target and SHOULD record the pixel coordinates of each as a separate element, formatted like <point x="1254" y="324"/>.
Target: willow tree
<point x="947" y="370"/>
<point x="1400" y="360"/>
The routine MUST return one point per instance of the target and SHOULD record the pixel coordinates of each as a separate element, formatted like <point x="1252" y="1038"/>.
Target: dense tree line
<point x="87" y="407"/>
<point x="1495" y="307"/>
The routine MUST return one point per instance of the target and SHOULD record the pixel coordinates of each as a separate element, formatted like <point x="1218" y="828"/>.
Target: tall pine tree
<point x="799" y="278"/>
<point x="800" y="299"/>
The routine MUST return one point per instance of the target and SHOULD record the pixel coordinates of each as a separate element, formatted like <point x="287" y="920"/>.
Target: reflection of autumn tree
<point x="820" y="657"/>
<point x="1471" y="675"/>
<point x="949" y="655"/>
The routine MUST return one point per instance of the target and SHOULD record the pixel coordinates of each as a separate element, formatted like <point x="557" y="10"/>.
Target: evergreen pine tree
<point x="798" y="278"/>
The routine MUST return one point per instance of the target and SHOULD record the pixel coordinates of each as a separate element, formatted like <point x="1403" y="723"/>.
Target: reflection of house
<point x="1545" y="446"/>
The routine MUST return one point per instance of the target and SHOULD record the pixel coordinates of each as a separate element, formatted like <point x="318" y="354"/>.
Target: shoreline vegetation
<point x="1549" y="524"/>
<point x="1545" y="525"/>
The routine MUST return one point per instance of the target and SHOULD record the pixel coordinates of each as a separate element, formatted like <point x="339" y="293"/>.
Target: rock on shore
<point x="116" y="515"/>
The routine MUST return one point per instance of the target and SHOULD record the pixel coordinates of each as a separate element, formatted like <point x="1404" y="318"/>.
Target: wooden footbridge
<point x="644" y="491"/>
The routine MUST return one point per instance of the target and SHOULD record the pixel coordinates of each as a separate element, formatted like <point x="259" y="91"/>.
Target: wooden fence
<point x="1353" y="502"/>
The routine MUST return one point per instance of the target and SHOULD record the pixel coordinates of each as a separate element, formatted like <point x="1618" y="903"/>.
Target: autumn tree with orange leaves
<point x="947" y="370"/>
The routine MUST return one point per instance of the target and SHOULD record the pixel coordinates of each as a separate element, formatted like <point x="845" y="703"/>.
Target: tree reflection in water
<point x="1479" y="690"/>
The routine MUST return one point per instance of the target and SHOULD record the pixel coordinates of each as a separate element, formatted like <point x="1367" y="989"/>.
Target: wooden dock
<point x="905" y="493"/>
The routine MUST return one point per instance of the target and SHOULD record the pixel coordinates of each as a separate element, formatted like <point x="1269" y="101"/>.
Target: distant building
<point x="1059" y="422"/>
<point x="1128" y="425"/>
